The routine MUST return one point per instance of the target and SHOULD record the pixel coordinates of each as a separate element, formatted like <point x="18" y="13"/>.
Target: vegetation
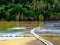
<point x="29" y="10"/>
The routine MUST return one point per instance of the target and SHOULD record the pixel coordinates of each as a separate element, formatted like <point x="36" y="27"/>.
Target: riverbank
<point x="23" y="41"/>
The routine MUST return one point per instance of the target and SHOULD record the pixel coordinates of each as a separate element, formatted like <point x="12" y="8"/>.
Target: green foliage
<point x="29" y="10"/>
<point x="41" y="17"/>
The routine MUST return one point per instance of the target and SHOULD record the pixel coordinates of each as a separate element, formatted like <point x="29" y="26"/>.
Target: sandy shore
<point x="23" y="41"/>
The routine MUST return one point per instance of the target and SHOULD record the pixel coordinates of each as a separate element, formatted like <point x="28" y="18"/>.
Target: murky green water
<point x="29" y="24"/>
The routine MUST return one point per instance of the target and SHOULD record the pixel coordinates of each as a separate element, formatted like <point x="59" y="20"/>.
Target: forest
<point x="29" y="10"/>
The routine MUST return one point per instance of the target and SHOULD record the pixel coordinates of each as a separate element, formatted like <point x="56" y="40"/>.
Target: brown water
<point x="53" y="39"/>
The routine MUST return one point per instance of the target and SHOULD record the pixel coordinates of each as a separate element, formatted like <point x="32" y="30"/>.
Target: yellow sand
<point x="23" y="41"/>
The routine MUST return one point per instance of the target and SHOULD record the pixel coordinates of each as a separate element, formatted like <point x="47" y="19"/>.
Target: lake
<point x="52" y="32"/>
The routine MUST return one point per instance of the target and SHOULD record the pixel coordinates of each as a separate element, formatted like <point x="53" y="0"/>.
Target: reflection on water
<point x="52" y="25"/>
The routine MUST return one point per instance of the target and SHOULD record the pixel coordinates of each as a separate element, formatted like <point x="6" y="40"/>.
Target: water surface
<point x="5" y="28"/>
